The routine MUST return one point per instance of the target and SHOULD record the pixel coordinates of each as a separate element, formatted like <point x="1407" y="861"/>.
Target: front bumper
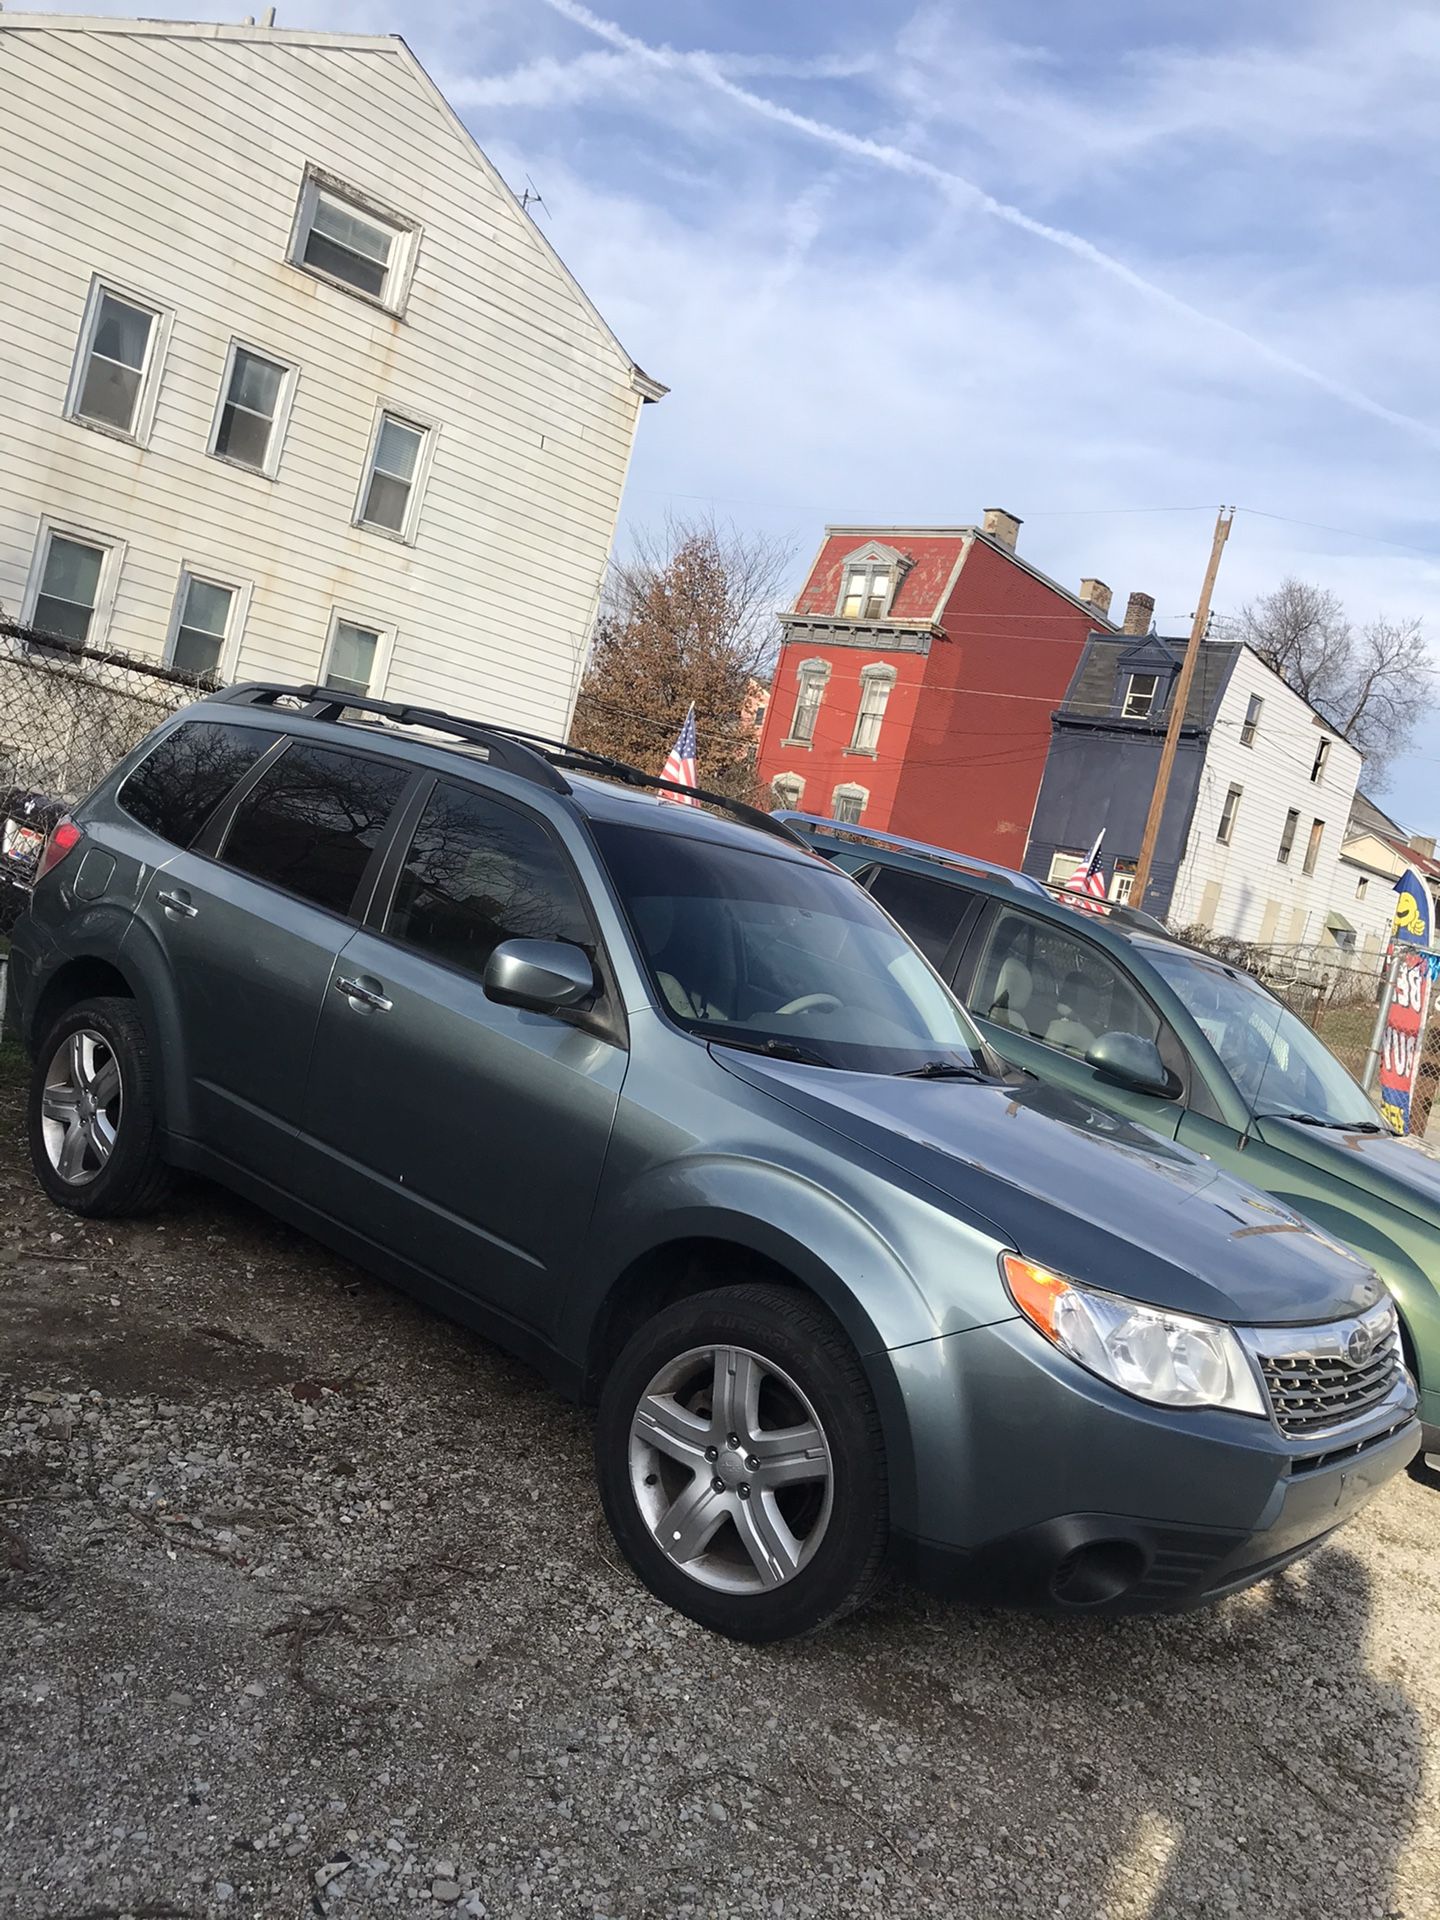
<point x="1070" y="1495"/>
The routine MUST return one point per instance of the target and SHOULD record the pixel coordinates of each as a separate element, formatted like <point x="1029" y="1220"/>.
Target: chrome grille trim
<point x="1323" y="1380"/>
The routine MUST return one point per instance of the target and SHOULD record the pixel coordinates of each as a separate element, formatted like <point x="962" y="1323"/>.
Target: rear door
<point x="937" y="914"/>
<point x="250" y="921"/>
<point x="467" y="1136"/>
<point x="1044" y="993"/>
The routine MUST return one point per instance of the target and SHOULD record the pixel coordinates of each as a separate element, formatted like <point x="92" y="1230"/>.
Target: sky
<point x="1107" y="267"/>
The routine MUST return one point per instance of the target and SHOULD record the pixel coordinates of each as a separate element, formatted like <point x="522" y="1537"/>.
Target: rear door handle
<point x="177" y="904"/>
<point x="356" y="990"/>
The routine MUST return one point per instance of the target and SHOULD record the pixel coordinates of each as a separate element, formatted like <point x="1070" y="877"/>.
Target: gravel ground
<point x="306" y="1609"/>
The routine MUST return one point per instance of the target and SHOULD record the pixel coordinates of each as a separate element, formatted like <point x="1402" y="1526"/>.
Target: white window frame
<point x="1250" y="725"/>
<point x="807" y="671"/>
<point x="384" y="646"/>
<point x="1314" y="841"/>
<point x="424" y="460"/>
<point x="106" y="586"/>
<point x="400" y="270"/>
<point x="1286" y="848"/>
<point x="1150" y="705"/>
<point x="1063" y="866"/>
<point x="138" y="433"/>
<point x="877" y="675"/>
<point x="1322" y="760"/>
<point x="872" y="570"/>
<point x="239" y="590"/>
<point x="1120" y="886"/>
<point x="1225" y="831"/>
<point x="852" y="791"/>
<point x="1362" y="886"/>
<point x="790" y="800"/>
<point x="279" y="426"/>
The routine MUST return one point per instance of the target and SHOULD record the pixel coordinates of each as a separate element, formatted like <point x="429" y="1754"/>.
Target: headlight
<point x="1165" y="1357"/>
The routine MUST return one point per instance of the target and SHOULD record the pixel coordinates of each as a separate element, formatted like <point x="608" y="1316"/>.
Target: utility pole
<point x="1178" y="705"/>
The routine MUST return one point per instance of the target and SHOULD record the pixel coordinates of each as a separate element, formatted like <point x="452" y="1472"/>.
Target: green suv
<point x="1104" y="1002"/>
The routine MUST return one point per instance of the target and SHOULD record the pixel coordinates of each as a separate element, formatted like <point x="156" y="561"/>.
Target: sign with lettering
<point x="1400" y="1044"/>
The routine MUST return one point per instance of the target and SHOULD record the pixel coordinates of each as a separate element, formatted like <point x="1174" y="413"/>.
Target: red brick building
<point x="917" y="676"/>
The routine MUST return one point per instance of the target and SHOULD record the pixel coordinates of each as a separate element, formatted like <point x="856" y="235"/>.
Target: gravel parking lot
<point x="306" y="1608"/>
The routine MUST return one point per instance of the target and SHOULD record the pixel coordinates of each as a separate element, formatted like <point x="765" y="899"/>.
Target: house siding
<point x="1259" y="899"/>
<point x="170" y="161"/>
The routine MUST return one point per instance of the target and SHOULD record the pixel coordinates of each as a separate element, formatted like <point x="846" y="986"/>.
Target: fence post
<point x="1372" y="1059"/>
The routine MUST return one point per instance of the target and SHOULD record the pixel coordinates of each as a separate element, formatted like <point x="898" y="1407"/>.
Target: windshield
<point x="763" y="951"/>
<point x="1278" y="1064"/>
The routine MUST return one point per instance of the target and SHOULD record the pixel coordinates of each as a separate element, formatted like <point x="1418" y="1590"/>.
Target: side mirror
<point x="1131" y="1061"/>
<point x="547" y="976"/>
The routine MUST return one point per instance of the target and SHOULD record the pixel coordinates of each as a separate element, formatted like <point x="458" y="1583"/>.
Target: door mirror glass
<point x="546" y="976"/>
<point x="1131" y="1061"/>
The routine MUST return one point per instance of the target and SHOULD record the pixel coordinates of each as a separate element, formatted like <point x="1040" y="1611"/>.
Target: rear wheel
<point x="94" y="1135"/>
<point x="741" y="1463"/>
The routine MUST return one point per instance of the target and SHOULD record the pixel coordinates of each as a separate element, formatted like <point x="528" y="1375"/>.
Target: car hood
<point x="1406" y="1172"/>
<point x="1085" y="1192"/>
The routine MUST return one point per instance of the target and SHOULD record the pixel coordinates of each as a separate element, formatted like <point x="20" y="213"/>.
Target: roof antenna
<point x="531" y="196"/>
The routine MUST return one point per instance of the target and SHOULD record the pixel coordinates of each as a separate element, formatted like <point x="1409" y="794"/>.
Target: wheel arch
<point x="119" y="972"/>
<point x="697" y="1261"/>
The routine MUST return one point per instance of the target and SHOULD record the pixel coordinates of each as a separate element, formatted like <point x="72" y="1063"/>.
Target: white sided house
<point x="1258" y="806"/>
<point x="1271" y="814"/>
<point x="293" y="387"/>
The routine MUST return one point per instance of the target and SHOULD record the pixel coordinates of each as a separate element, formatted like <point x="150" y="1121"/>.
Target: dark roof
<point x="1366" y="817"/>
<point x="635" y="807"/>
<point x="1091" y="693"/>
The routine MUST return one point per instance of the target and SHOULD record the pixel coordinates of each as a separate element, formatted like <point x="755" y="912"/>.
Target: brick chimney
<point x="1096" y="594"/>
<point x="1003" y="527"/>
<point x="1139" y="613"/>
<point x="1423" y="844"/>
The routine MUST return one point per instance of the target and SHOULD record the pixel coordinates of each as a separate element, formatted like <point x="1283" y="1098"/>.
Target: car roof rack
<point x="921" y="849"/>
<point x="1117" y="910"/>
<point x="530" y="756"/>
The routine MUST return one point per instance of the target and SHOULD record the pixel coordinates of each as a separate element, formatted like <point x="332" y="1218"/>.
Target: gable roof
<point x="390" y="45"/>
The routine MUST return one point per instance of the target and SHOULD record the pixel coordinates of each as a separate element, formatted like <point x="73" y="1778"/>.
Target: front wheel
<point x="741" y="1463"/>
<point x="94" y="1136"/>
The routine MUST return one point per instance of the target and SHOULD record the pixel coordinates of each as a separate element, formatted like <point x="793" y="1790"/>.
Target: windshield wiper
<point x="776" y="1049"/>
<point x="1314" y="1120"/>
<point x="940" y="1070"/>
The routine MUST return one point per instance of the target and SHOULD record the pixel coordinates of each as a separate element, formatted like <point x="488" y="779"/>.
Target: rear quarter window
<point x="185" y="776"/>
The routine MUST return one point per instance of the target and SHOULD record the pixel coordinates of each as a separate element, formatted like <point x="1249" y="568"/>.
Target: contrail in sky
<point x="880" y="153"/>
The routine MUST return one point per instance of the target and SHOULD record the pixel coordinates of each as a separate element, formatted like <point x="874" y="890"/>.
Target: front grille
<point x="1321" y="1378"/>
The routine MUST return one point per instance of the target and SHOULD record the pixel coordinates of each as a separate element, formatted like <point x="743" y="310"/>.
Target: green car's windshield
<point x="1278" y="1064"/>
<point x="782" y="956"/>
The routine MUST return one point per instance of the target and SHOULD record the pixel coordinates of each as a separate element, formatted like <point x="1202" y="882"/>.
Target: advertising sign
<point x="1409" y="1003"/>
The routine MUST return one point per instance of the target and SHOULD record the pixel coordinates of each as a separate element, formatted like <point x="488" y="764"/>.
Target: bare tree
<point x="688" y="616"/>
<point x="1373" y="684"/>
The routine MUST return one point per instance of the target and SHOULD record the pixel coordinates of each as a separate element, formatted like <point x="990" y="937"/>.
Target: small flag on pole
<point x="1089" y="879"/>
<point x="680" y="767"/>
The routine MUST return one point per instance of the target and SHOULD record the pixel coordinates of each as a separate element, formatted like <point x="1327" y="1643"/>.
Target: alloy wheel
<point x="731" y="1469"/>
<point x="80" y="1106"/>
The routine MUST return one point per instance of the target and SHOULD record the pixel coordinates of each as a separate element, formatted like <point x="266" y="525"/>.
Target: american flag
<point x="680" y="766"/>
<point x="1089" y="879"/>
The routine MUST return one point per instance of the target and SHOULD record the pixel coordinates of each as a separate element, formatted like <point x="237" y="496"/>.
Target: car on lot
<point x="1104" y="1002"/>
<point x="663" y="1102"/>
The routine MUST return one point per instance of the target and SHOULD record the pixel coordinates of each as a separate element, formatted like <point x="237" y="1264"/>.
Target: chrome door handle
<point x="176" y="903"/>
<point x="367" y="996"/>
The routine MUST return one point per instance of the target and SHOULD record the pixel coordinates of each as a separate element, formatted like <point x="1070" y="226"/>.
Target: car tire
<point x="93" y="1124"/>
<point x="777" y="1535"/>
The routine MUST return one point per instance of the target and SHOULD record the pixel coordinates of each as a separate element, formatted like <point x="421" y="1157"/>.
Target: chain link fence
<point x="68" y="712"/>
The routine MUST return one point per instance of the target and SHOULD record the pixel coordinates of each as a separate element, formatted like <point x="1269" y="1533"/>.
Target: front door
<point x="250" y="937"/>
<point x="464" y="1135"/>
<point x="1044" y="995"/>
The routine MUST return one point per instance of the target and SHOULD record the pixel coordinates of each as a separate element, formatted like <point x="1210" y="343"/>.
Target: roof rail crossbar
<point x="921" y="849"/>
<point x="533" y="756"/>
<point x="331" y="703"/>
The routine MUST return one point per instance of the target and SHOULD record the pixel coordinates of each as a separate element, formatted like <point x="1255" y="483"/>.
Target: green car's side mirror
<point x="1131" y="1061"/>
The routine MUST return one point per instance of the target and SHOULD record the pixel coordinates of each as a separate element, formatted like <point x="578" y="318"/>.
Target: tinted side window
<point x="1039" y="979"/>
<point x="179" y="784"/>
<point x="928" y="910"/>
<point x="312" y="821"/>
<point x="479" y="873"/>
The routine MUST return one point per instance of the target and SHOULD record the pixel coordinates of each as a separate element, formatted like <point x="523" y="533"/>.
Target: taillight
<point x="64" y="836"/>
